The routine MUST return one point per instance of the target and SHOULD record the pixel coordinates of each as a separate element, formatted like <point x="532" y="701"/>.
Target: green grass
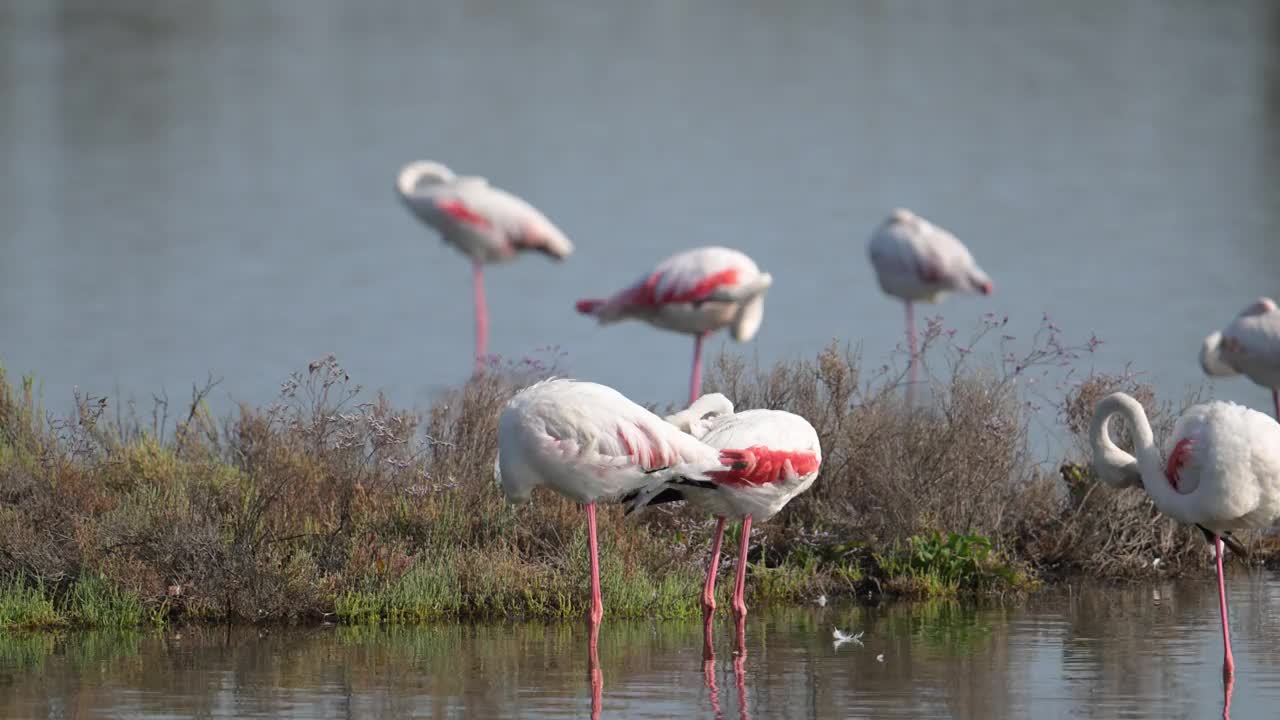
<point x="938" y="565"/>
<point x="25" y="606"/>
<point x="93" y="602"/>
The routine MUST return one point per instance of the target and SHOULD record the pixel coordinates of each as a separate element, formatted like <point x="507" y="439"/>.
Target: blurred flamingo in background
<point x="697" y="292"/>
<point x="1250" y="345"/>
<point x="485" y="223"/>
<point x="772" y="455"/>
<point x="1222" y="471"/>
<point x="590" y="443"/>
<point x="916" y="260"/>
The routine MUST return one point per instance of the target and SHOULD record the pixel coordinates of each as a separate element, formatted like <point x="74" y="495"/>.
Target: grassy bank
<point x="332" y="504"/>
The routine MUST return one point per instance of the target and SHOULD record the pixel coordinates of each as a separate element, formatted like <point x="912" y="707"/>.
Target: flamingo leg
<point x="740" y="605"/>
<point x="911" y="340"/>
<point x="482" y="315"/>
<point x="709" y="588"/>
<point x="1228" y="663"/>
<point x="695" y="382"/>
<point x="1275" y="397"/>
<point x="597" y="605"/>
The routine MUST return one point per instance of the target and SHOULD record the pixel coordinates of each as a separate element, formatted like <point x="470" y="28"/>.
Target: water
<point x="1132" y="652"/>
<point x="193" y="187"/>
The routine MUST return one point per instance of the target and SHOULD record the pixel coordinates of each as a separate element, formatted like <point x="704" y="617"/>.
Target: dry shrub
<point x="280" y="512"/>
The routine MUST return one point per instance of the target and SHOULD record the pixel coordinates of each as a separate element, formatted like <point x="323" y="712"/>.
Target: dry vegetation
<point x="327" y="505"/>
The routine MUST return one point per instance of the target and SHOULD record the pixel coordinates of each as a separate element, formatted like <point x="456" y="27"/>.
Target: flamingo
<point x="485" y="223"/>
<point x="590" y="443"/>
<point x="916" y="260"/>
<point x="696" y="292"/>
<point x="1250" y="345"/>
<point x="773" y="456"/>
<point x="1222" y="472"/>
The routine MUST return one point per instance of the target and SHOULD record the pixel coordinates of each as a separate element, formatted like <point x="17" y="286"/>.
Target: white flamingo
<point x="1222" y="471"/>
<point x="590" y="443"/>
<point x="773" y="457"/>
<point x="916" y="260"/>
<point x="696" y="292"/>
<point x="485" y="223"/>
<point x="1250" y="345"/>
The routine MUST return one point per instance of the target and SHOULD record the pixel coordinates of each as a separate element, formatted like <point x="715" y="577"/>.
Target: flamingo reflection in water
<point x="594" y="674"/>
<point x="739" y="673"/>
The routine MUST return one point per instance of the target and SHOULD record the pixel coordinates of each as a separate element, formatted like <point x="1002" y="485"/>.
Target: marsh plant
<point x="331" y="503"/>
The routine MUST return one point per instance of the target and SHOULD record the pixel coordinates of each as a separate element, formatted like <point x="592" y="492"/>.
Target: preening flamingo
<point x="590" y="443"/>
<point x="773" y="456"/>
<point x="1222" y="471"/>
<point x="485" y="223"/>
<point x="916" y="260"/>
<point x="696" y="292"/>
<point x="1250" y="345"/>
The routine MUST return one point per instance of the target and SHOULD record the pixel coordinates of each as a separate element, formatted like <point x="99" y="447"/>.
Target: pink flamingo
<point x="1250" y="345"/>
<point x="1222" y="472"/>
<point x="590" y="444"/>
<point x="916" y="260"/>
<point x="696" y="292"/>
<point x="773" y="457"/>
<point x="485" y="223"/>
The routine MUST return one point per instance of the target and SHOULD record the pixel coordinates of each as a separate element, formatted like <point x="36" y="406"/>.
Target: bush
<point x="329" y="504"/>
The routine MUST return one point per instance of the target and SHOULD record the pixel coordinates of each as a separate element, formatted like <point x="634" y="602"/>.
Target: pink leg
<point x="482" y="315"/>
<point x="695" y="382"/>
<point x="709" y="588"/>
<point x="739" y="604"/>
<point x="597" y="605"/>
<point x="911" y="340"/>
<point x="1228" y="663"/>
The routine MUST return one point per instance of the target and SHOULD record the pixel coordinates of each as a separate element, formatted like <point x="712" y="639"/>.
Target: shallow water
<point x="190" y="187"/>
<point x="1142" y="651"/>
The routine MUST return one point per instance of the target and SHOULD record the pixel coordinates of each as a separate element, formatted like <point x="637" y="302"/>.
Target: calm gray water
<point x="1137" y="652"/>
<point x="190" y="187"/>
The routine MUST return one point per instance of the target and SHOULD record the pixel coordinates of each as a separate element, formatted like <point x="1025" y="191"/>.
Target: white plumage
<point x="589" y="442"/>
<point x="776" y="455"/>
<point x="1250" y="345"/>
<point x="485" y="223"/>
<point x="1220" y="469"/>
<point x="916" y="260"/>
<point x="697" y="292"/>
<point x="771" y="456"/>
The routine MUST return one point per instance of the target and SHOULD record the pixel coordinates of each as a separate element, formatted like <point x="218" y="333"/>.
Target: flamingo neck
<point x="1151" y="470"/>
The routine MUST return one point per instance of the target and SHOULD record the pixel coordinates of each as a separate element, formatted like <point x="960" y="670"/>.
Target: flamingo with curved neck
<point x="1222" y="471"/>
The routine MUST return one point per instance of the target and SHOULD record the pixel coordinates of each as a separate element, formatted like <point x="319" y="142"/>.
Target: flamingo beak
<point x="986" y="288"/>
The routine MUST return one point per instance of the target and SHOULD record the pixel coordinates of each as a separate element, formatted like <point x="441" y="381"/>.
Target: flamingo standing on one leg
<point x="916" y="260"/>
<point x="773" y="456"/>
<point x="1222" y="471"/>
<point x="696" y="292"/>
<point x="1250" y="345"/>
<point x="487" y="224"/>
<point x="589" y="443"/>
